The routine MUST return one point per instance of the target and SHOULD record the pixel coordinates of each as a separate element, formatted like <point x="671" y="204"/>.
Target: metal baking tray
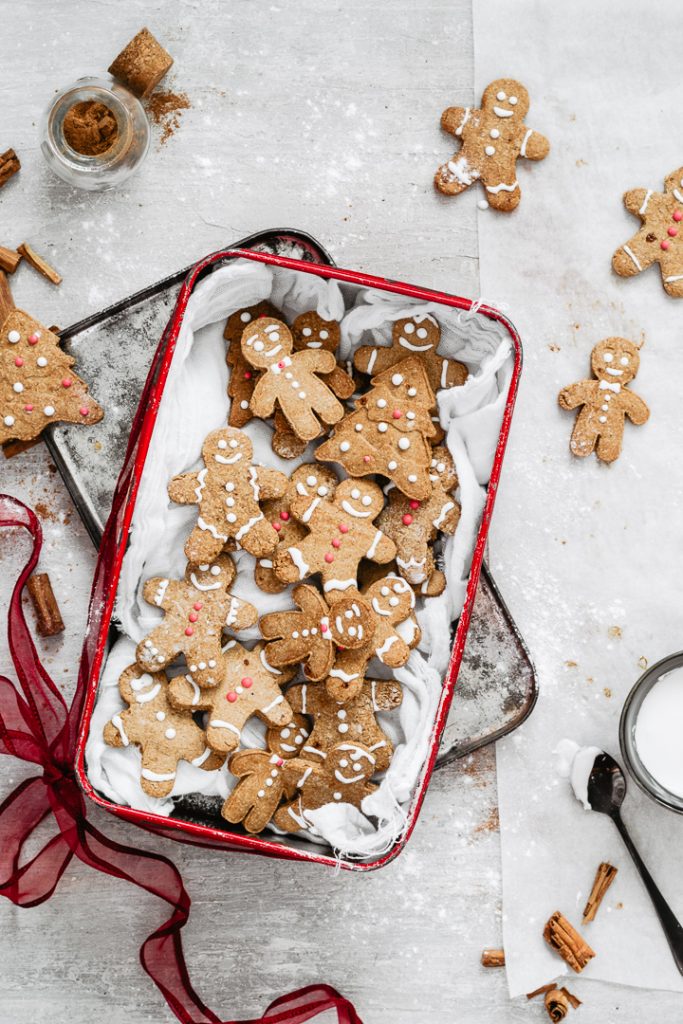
<point x="496" y="689"/>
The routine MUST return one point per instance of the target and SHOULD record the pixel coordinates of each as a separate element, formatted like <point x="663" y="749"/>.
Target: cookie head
<point x="442" y="469"/>
<point x="266" y="342"/>
<point x="311" y="331"/>
<point x="360" y="499"/>
<point x="416" y="334"/>
<point x="210" y="576"/>
<point x="350" y="623"/>
<point x="350" y="763"/>
<point x="288" y="740"/>
<point x="227" y="447"/>
<point x="506" y="99"/>
<point x="391" y="598"/>
<point x="615" y="360"/>
<point x="314" y="479"/>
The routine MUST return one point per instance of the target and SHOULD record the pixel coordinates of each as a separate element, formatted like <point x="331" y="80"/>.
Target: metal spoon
<point x="606" y="792"/>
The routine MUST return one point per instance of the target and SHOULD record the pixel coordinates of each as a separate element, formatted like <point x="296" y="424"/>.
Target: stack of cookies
<point x="358" y="552"/>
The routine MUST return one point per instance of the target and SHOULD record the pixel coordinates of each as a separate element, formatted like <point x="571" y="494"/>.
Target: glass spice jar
<point x="129" y="139"/>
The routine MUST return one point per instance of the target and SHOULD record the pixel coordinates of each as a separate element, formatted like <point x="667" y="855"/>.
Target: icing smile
<point x="613" y="372"/>
<point x="314" y="344"/>
<point x="413" y="348"/>
<point x="203" y="586"/>
<point x="228" y="462"/>
<point x="378" y="608"/>
<point x="502" y="112"/>
<point x="354" y="512"/>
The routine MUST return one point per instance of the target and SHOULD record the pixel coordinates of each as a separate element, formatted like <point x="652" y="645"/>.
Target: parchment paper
<point x="601" y="593"/>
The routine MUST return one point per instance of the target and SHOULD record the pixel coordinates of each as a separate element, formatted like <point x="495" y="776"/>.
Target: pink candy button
<point x="329" y="557"/>
<point x="232" y="696"/>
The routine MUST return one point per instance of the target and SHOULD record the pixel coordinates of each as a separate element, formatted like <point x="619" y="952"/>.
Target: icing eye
<point x="500" y="95"/>
<point x="513" y="101"/>
<point x="398" y="589"/>
<point x="258" y="346"/>
<point x="311" y="481"/>
<point x="422" y="333"/>
<point x="324" y="335"/>
<point x="215" y="570"/>
<point x="222" y="444"/>
<point x="343" y="763"/>
<point x="307" y="332"/>
<point x="299" y="739"/>
<point x="608" y="357"/>
<point x="624" y="360"/>
<point x="233" y="443"/>
<point x="412" y="392"/>
<point x="204" y="567"/>
<point x="440" y="467"/>
<point x="274" y="336"/>
<point x="355" y="493"/>
<point x="367" y="500"/>
<point x="409" y="329"/>
<point x="245" y="317"/>
<point x="385" y="591"/>
<point x="357" y="767"/>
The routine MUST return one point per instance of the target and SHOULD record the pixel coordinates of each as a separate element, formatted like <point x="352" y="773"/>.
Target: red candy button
<point x="232" y="696"/>
<point x="67" y="382"/>
<point x="18" y="361"/>
<point x="672" y="232"/>
<point x="329" y="558"/>
<point x="197" y="606"/>
<point x="396" y="414"/>
<point x="247" y="375"/>
<point x="407" y="519"/>
<point x="666" y="244"/>
<point x="343" y="528"/>
<point x="247" y="682"/>
<point x="284" y="516"/>
<point x="678" y="215"/>
<point x="189" y="631"/>
<point x="193" y="616"/>
<point x="414" y="504"/>
<point x="336" y="543"/>
<point x="277" y="526"/>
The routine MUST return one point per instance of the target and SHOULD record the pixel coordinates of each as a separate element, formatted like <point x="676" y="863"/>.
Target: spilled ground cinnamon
<point x="164" y="110"/>
<point x="90" y="128"/>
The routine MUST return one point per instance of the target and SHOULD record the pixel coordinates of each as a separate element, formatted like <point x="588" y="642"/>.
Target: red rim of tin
<point x="208" y="835"/>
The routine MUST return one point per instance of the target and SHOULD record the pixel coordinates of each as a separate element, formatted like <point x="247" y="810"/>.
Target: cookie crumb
<point x="614" y="632"/>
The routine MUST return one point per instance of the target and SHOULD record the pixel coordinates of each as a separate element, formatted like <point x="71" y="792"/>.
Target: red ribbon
<point x="36" y="725"/>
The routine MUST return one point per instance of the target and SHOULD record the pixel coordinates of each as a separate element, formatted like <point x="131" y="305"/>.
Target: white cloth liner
<point x="195" y="402"/>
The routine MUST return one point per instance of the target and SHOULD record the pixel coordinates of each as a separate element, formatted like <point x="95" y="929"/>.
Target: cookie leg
<point x="609" y="447"/>
<point x="222" y="736"/>
<point x="290" y="818"/>
<point x="673" y="285"/>
<point x="583" y="440"/>
<point x="157" y="777"/>
<point x="203" y="659"/>
<point x="258" y="537"/>
<point x="285" y="442"/>
<point x="454" y="177"/>
<point x="205" y="543"/>
<point x="153" y="652"/>
<point x="504" y="193"/>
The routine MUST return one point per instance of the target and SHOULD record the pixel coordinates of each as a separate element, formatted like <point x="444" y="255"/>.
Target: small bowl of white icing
<point x="651" y="732"/>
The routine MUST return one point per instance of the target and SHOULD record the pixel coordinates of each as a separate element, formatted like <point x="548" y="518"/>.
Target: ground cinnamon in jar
<point x="90" y="128"/>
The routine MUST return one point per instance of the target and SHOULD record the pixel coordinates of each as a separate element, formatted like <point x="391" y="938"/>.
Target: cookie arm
<point x="386" y="694"/>
<point x="263" y="399"/>
<point x="635" y="200"/>
<point x="635" y="408"/>
<point x="373" y="358"/>
<point x="241" y="614"/>
<point x="272" y="483"/>
<point x="185" y="694"/>
<point x="319" y="361"/>
<point x="382" y="549"/>
<point x="576" y="394"/>
<point x="534" y="145"/>
<point x="340" y="382"/>
<point x="154" y="591"/>
<point x="454" y="119"/>
<point x="183" y="489"/>
<point x="453" y="373"/>
<point x="638" y="254"/>
<point x="447" y="518"/>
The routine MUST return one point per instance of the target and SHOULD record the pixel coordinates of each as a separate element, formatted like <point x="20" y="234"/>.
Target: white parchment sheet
<point x="602" y="587"/>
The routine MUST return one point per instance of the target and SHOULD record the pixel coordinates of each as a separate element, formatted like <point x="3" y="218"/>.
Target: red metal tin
<point x="115" y="542"/>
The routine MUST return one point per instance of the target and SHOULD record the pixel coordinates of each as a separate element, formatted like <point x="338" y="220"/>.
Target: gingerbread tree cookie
<point x="242" y="375"/>
<point x="413" y="525"/>
<point x="37" y="382"/>
<point x="354" y="721"/>
<point x="311" y="331"/>
<point x="419" y="334"/>
<point x="606" y="401"/>
<point x="163" y="734"/>
<point x="342" y="778"/>
<point x="341" y="532"/>
<point x="493" y="139"/>
<point x="660" y="240"/>
<point x="308" y="480"/>
<point x="292" y="382"/>
<point x="389" y="431"/>
<point x="393" y="602"/>
<point x="229" y="492"/>
<point x="261" y="787"/>
<point x="313" y="634"/>
<point x="247" y="686"/>
<point x="197" y="610"/>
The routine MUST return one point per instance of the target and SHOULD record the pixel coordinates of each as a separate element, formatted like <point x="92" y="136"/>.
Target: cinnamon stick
<point x="493" y="958"/>
<point x="38" y="263"/>
<point x="9" y="259"/>
<point x="604" y="877"/>
<point x="564" y="938"/>
<point x="558" y="1002"/>
<point x="49" y="619"/>
<point x="9" y="165"/>
<point x="6" y="300"/>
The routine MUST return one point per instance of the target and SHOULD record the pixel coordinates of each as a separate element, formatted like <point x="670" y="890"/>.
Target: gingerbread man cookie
<point x="418" y="334"/>
<point x="493" y="139"/>
<point x="37" y="383"/>
<point x="354" y="721"/>
<point x="229" y="492"/>
<point x="313" y="634"/>
<point x="247" y="686"/>
<point x="242" y="375"/>
<point x="393" y="602"/>
<point x="308" y="480"/>
<point x="261" y="787"/>
<point x="606" y="401"/>
<point x="197" y="610"/>
<point x="311" y="331"/>
<point x="342" y="778"/>
<point x="389" y="432"/>
<point x="292" y="382"/>
<point x="163" y="734"/>
<point x="341" y="532"/>
<point x="413" y="525"/>
<point x="660" y="240"/>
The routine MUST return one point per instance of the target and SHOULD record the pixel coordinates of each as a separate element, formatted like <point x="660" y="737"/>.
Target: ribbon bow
<point x="37" y="726"/>
<point x="606" y="386"/>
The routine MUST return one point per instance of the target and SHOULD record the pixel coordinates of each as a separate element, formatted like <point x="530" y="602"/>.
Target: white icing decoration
<point x="218" y="723"/>
<point x="501" y="112"/>
<point x="522" y="151"/>
<point x="199" y="761"/>
<point x="339" y="584"/>
<point x="632" y="256"/>
<point x="116" y="721"/>
<point x="273" y="704"/>
<point x="373" y="547"/>
<point x="210" y="528"/>
<point x="161" y="590"/>
<point x="381" y="651"/>
<point x="358" y="514"/>
<point x="502" y="188"/>
<point x="144" y="698"/>
<point x="147" y="773"/>
<point x="13" y="337"/>
<point x="299" y="562"/>
<point x="243" y="530"/>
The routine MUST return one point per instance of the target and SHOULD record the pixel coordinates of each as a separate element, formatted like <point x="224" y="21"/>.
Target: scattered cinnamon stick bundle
<point x="558" y="1001"/>
<point x="9" y="166"/>
<point x="9" y="259"/>
<point x="493" y="958"/>
<point x="564" y="938"/>
<point x="141" y="64"/>
<point x="604" y="877"/>
<point x="38" y="263"/>
<point x="49" y="618"/>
